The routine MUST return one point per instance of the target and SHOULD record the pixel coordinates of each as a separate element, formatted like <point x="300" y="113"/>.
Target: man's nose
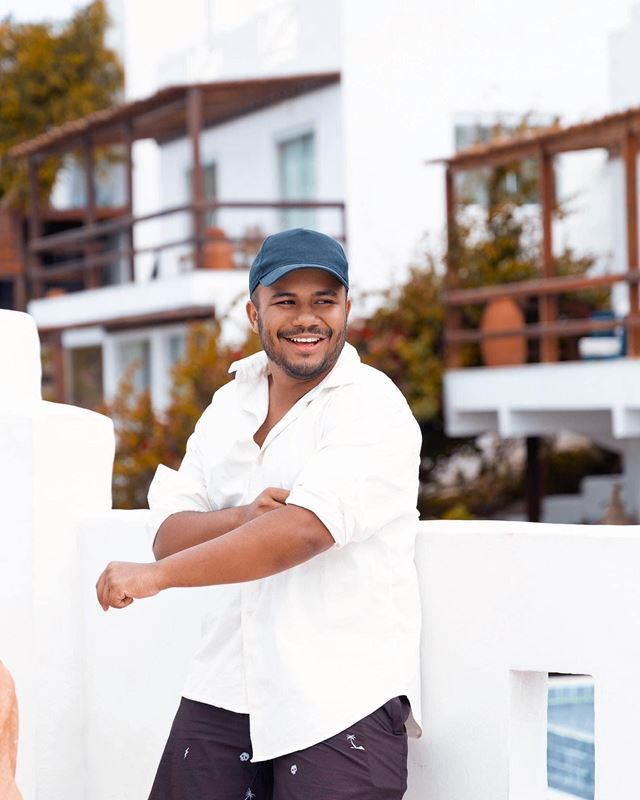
<point x="305" y="315"/>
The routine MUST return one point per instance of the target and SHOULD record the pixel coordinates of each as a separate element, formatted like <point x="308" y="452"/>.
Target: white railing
<point x="503" y="604"/>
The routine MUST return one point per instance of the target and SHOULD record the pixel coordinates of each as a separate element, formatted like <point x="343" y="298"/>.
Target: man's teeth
<point x="303" y="339"/>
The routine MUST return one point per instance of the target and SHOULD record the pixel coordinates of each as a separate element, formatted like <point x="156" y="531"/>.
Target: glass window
<point x="86" y="376"/>
<point x="296" y="169"/>
<point x="176" y="344"/>
<point x="135" y="351"/>
<point x="209" y="189"/>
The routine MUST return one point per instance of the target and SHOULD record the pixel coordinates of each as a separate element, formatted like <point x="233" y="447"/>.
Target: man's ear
<point x="348" y="306"/>
<point x="252" y="314"/>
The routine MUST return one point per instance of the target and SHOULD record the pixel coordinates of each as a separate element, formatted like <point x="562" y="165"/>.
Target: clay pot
<point x="217" y="252"/>
<point x="503" y="314"/>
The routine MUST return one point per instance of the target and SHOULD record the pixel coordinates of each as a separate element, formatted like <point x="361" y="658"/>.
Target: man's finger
<point x="279" y="495"/>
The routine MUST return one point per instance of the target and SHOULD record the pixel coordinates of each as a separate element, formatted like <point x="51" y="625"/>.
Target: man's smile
<point x="304" y="343"/>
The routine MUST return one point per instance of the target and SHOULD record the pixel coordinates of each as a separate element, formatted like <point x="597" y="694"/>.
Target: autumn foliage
<point x="51" y="74"/>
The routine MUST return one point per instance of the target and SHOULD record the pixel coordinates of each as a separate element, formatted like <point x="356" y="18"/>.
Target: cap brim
<point x="280" y="272"/>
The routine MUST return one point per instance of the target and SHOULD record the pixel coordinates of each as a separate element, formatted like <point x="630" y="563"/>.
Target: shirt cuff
<point x="327" y="511"/>
<point x="171" y="492"/>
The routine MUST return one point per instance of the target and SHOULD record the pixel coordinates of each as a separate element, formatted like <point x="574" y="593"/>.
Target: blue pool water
<point x="570" y="739"/>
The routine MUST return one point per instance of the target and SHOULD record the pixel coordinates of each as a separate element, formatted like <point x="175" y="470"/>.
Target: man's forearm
<point x="189" y="528"/>
<point x="264" y="546"/>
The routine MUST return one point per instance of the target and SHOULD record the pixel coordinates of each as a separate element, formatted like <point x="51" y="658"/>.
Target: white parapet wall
<point x="55" y="467"/>
<point x="503" y="604"/>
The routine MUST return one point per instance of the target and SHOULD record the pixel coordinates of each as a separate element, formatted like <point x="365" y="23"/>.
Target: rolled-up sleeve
<point x="184" y="489"/>
<point x="364" y="474"/>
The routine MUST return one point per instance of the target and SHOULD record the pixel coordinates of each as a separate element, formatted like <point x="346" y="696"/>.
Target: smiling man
<point x="296" y="502"/>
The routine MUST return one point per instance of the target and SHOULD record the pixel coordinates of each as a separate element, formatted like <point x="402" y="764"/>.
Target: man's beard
<point x="303" y="371"/>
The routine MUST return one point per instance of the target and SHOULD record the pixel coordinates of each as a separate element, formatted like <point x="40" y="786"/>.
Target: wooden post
<point x="533" y="479"/>
<point x="194" y="127"/>
<point x="630" y="154"/>
<point x="89" y="207"/>
<point x="20" y="293"/>
<point x="548" y="305"/>
<point x="57" y="357"/>
<point x="453" y="314"/>
<point x="34" y="260"/>
<point x="128" y="142"/>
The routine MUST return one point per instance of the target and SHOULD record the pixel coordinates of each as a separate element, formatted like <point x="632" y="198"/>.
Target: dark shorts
<point x="208" y="751"/>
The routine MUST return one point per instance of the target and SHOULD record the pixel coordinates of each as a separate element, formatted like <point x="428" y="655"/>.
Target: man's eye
<point x="283" y="302"/>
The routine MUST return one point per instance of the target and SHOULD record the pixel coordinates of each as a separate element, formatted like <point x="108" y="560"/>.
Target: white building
<point x="413" y="80"/>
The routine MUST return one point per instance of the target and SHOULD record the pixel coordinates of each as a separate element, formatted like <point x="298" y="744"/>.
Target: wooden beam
<point x="92" y="281"/>
<point x="57" y="356"/>
<point x="128" y="195"/>
<point x="538" y="286"/>
<point x="453" y="316"/>
<point x="630" y="155"/>
<point x="548" y="305"/>
<point x="194" y="128"/>
<point x="562" y="327"/>
<point x="533" y="479"/>
<point x="34" y="260"/>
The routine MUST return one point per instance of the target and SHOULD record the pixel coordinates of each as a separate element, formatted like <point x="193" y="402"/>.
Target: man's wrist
<point x="161" y="573"/>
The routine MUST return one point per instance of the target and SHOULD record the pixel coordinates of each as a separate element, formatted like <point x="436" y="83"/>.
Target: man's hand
<point x="268" y="500"/>
<point x="122" y="581"/>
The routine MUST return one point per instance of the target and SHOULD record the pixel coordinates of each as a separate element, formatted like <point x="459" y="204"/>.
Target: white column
<point x="55" y="467"/>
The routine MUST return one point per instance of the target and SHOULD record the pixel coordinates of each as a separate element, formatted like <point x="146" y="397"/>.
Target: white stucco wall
<point x="502" y="603"/>
<point x="55" y="465"/>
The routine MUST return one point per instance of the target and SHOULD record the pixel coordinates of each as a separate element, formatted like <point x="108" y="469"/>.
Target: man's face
<point x="302" y="322"/>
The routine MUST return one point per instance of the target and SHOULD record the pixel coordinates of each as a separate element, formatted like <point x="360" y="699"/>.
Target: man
<point x="296" y="500"/>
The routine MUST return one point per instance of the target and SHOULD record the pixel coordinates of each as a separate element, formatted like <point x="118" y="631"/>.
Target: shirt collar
<point x="256" y="366"/>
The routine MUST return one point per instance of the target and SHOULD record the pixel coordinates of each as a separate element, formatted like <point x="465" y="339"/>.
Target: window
<point x="176" y="345"/>
<point x="296" y="172"/>
<point x="209" y="189"/>
<point x="86" y="376"/>
<point x="135" y="351"/>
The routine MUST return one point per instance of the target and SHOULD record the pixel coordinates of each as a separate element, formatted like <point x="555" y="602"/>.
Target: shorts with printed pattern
<point x="207" y="757"/>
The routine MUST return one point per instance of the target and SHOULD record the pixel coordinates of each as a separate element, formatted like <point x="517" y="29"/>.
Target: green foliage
<point x="51" y="74"/>
<point x="146" y="439"/>
<point x="503" y="245"/>
<point x="403" y="338"/>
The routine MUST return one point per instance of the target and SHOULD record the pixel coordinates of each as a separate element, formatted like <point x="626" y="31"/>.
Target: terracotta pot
<point x="217" y="252"/>
<point x="503" y="314"/>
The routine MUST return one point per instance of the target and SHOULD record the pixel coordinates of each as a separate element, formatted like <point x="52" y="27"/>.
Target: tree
<point x="146" y="438"/>
<point x="51" y="74"/>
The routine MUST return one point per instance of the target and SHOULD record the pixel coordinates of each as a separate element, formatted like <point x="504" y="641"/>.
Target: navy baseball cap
<point x="297" y="248"/>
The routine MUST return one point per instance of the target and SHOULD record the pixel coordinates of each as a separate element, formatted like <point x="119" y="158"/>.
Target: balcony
<point x="618" y="136"/>
<point x="542" y="361"/>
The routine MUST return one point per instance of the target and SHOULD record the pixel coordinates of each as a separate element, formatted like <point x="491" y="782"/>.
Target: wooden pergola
<point x="617" y="133"/>
<point x="170" y="113"/>
<point x="79" y="252"/>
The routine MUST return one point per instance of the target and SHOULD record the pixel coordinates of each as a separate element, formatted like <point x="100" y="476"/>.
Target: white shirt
<point x="311" y="650"/>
